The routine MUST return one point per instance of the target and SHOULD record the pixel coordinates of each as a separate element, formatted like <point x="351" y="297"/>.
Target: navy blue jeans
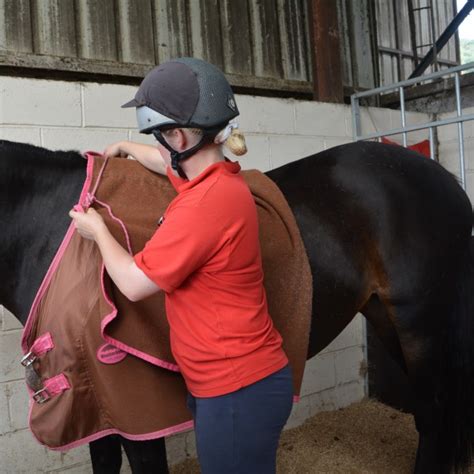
<point x="238" y="433"/>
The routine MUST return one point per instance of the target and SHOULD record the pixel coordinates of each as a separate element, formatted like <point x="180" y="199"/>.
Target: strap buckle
<point x="28" y="359"/>
<point x="51" y="388"/>
<point x="40" y="347"/>
<point x="41" y="396"/>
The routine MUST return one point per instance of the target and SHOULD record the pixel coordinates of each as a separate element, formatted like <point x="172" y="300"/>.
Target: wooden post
<point x="326" y="53"/>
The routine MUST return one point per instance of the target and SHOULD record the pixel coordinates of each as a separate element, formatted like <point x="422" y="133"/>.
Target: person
<point x="205" y="256"/>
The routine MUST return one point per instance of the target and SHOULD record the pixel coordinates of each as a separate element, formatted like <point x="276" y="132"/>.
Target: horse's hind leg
<point x="419" y="334"/>
<point x="376" y="313"/>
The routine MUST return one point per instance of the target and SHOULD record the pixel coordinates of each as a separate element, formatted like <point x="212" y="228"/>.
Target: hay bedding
<point x="366" y="437"/>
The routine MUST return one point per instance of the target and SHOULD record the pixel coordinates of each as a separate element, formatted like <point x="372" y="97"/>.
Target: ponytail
<point x="236" y="142"/>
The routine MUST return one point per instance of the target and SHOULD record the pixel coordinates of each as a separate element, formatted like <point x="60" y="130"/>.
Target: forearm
<point x="121" y="267"/>
<point x="149" y="156"/>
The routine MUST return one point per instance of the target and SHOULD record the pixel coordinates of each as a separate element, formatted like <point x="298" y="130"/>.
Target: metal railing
<point x="404" y="129"/>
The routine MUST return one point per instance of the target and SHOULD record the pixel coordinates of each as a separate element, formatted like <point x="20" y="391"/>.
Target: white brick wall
<point x="333" y="378"/>
<point x="30" y="102"/>
<point x="65" y="115"/>
<point x="375" y="120"/>
<point x="449" y="149"/>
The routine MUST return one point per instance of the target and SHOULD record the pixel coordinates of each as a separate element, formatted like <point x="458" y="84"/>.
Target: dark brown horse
<point x="388" y="233"/>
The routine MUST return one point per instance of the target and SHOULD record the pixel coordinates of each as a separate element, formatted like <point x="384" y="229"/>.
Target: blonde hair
<point x="236" y="142"/>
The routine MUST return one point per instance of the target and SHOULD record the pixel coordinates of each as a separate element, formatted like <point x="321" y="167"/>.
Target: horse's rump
<point x="101" y="339"/>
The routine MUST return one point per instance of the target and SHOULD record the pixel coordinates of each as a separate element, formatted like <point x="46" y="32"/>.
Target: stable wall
<point x="70" y="115"/>
<point x="449" y="148"/>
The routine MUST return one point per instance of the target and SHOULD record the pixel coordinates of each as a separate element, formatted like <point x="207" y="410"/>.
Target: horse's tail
<point x="457" y="393"/>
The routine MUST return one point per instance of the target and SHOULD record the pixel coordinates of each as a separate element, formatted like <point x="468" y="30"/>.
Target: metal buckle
<point x="28" y="359"/>
<point x="41" y="396"/>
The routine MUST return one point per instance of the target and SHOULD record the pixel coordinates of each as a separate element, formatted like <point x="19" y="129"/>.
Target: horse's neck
<point x="37" y="189"/>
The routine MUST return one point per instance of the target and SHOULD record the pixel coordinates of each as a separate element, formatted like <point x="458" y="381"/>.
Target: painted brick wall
<point x="449" y="149"/>
<point x="65" y="115"/>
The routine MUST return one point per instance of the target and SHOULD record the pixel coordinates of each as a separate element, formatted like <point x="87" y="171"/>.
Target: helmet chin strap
<point x="178" y="156"/>
<point x="175" y="159"/>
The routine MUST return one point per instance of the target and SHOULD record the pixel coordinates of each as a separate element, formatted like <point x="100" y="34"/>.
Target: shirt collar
<point x="180" y="184"/>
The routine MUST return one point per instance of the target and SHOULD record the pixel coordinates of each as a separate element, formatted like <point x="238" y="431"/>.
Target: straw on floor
<point x="366" y="437"/>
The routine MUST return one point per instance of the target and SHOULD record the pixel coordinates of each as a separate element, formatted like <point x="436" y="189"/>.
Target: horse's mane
<point x="26" y="150"/>
<point x="37" y="189"/>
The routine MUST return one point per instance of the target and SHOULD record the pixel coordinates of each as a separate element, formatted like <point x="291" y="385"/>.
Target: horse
<point x="387" y="233"/>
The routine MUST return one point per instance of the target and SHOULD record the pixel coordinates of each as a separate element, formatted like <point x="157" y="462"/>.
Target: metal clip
<point x="28" y="359"/>
<point x="41" y="396"/>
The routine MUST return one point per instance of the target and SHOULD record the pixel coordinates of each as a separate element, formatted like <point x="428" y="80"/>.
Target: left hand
<point x="88" y="224"/>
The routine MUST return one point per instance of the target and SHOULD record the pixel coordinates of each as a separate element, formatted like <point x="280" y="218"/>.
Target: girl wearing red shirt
<point x="206" y="257"/>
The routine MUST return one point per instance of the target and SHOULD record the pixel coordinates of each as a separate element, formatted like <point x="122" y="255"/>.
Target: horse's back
<point x="387" y="195"/>
<point x="369" y="172"/>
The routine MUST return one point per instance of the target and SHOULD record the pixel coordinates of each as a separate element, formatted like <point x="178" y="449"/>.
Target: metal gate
<point x="404" y="129"/>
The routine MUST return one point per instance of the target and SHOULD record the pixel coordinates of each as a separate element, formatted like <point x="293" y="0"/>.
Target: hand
<point x="116" y="150"/>
<point x="88" y="224"/>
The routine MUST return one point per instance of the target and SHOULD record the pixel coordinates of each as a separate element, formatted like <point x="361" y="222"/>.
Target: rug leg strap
<point x="51" y="388"/>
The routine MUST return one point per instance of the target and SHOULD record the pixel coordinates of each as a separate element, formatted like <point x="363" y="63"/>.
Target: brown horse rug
<point x="97" y="364"/>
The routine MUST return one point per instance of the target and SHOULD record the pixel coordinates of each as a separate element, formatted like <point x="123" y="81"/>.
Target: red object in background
<point x="422" y="147"/>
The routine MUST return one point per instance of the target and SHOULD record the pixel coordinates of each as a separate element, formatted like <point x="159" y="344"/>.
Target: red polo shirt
<point x="206" y="257"/>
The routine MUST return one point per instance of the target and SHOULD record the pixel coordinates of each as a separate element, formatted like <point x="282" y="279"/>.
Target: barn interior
<point x="308" y="75"/>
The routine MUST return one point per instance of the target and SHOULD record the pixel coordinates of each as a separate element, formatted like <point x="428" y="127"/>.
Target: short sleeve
<point x="186" y="240"/>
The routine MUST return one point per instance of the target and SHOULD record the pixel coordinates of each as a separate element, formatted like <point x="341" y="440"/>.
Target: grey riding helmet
<point x="184" y="92"/>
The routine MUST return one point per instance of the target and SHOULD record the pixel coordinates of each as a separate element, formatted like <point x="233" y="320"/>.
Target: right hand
<point x="116" y="150"/>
